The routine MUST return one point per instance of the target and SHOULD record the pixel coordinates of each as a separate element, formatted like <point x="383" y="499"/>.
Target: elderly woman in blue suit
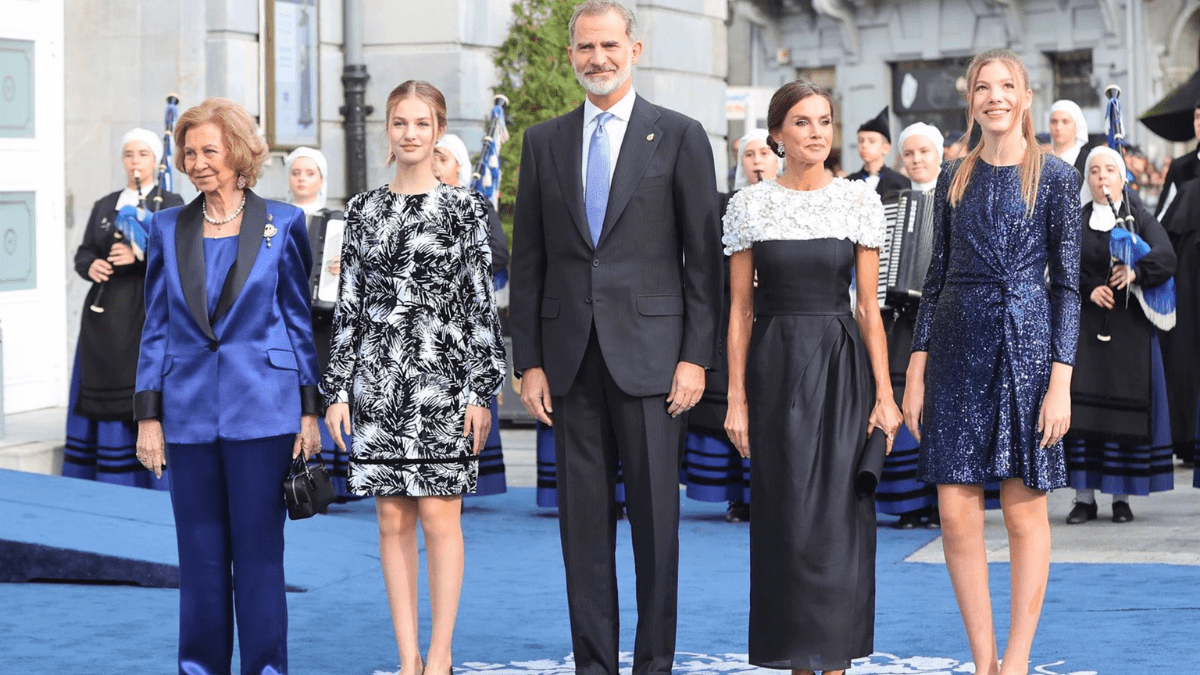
<point x="226" y="388"/>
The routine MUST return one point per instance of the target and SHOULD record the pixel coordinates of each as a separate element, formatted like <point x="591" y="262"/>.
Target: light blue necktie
<point x="596" y="195"/>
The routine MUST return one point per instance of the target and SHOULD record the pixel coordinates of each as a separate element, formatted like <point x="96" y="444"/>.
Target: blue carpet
<point x="1106" y="619"/>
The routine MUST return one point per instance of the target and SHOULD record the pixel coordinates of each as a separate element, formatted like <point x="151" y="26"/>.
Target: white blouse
<point x="767" y="211"/>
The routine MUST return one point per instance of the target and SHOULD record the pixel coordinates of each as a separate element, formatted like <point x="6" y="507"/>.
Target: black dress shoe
<point x="738" y="512"/>
<point x="907" y="521"/>
<point x="934" y="522"/>
<point x="1122" y="512"/>
<point x="1081" y="513"/>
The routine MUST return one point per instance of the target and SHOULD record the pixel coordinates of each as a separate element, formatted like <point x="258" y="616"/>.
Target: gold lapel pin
<point x="270" y="230"/>
<point x="650" y="137"/>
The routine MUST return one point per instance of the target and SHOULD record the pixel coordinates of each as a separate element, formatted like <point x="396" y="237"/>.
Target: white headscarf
<point x="928" y="131"/>
<point x="1102" y="218"/>
<point x="740" y="180"/>
<point x="1076" y="113"/>
<point x="457" y="148"/>
<point x="149" y="138"/>
<point x="322" y="165"/>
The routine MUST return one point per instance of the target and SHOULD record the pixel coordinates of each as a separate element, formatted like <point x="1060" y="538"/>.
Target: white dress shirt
<point x="615" y="128"/>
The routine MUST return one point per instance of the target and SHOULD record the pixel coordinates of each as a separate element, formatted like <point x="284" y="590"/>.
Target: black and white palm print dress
<point x="415" y="339"/>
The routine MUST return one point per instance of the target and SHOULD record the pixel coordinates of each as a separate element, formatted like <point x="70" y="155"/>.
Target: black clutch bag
<point x="307" y="489"/>
<point x="870" y="466"/>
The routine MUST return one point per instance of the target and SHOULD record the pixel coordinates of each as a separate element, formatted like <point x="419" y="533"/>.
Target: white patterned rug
<point x="687" y="663"/>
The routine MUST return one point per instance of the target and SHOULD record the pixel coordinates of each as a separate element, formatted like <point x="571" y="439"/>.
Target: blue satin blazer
<point x="246" y="368"/>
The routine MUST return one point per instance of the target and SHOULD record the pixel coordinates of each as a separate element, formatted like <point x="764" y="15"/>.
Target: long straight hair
<point x="1031" y="165"/>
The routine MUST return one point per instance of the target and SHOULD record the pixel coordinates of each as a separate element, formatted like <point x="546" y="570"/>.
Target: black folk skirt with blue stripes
<point x="1124" y="467"/>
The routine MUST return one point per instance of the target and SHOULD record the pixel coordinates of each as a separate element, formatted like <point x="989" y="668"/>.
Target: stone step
<point x="44" y="457"/>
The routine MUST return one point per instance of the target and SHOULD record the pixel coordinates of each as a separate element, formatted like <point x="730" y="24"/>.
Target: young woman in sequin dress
<point x="808" y="379"/>
<point x="417" y="352"/>
<point x="988" y="386"/>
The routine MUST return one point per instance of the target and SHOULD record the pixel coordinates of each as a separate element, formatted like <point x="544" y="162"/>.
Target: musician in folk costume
<point x="307" y="171"/>
<point x="995" y="344"/>
<point x="713" y="469"/>
<point x="452" y="166"/>
<point x="101" y="433"/>
<point x="1069" y="135"/>
<point x="874" y="144"/>
<point x="1179" y="212"/>
<point x="900" y="492"/>
<point x="1120" y="438"/>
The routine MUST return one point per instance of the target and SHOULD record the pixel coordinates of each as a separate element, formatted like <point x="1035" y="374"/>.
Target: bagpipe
<point x="132" y="225"/>
<point x="1124" y="245"/>
<point x="486" y="178"/>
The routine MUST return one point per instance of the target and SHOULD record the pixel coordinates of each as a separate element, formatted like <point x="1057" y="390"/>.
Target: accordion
<point x="907" y="247"/>
<point x="325" y="236"/>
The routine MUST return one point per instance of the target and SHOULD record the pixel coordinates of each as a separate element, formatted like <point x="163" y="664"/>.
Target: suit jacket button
<point x="595" y="263"/>
<point x="588" y="300"/>
<point x="212" y="346"/>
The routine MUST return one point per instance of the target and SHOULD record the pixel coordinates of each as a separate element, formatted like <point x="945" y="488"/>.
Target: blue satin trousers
<point x="229" y="513"/>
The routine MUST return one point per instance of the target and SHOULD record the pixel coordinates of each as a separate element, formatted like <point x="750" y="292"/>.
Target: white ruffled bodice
<point x="767" y="211"/>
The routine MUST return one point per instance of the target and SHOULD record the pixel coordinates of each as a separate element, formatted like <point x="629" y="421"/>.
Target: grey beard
<point x="603" y="88"/>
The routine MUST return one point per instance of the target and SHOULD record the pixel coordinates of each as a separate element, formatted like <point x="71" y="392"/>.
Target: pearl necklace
<point x="218" y="223"/>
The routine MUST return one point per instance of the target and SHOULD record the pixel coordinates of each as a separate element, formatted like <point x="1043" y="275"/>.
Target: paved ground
<point x="1165" y="528"/>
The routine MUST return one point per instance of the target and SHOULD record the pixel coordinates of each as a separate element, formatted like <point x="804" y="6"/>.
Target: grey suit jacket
<point x="651" y="286"/>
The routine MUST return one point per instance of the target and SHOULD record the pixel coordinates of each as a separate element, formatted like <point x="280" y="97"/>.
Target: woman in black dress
<point x="101" y="433"/>
<point x="1120" y="438"/>
<point x="808" y="379"/>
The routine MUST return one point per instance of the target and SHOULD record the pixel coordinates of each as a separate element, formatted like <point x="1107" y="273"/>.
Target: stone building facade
<point x="910" y="55"/>
<point x="122" y="58"/>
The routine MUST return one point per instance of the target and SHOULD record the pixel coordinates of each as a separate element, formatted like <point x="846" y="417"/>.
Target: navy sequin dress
<point x="1000" y="305"/>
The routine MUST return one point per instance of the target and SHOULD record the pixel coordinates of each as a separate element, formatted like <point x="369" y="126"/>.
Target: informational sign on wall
<point x="18" y="241"/>
<point x="292" y="94"/>
<point x="16" y="89"/>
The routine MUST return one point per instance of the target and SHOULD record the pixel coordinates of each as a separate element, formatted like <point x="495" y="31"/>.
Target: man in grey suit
<point x="616" y="285"/>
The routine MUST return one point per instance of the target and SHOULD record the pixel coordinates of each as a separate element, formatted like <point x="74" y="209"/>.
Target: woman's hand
<point x="885" y="416"/>
<point x="737" y="425"/>
<point x="121" y="254"/>
<point x="337" y="421"/>
<point x="1054" y="419"/>
<point x="1103" y="297"/>
<point x="1122" y="276"/>
<point x="478" y="423"/>
<point x="100" y="270"/>
<point x="914" y="393"/>
<point x="308" y="440"/>
<point x="151" y="446"/>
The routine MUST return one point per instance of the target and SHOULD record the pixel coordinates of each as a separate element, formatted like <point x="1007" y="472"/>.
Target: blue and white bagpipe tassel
<point x="486" y="179"/>
<point x="1158" y="303"/>
<point x="166" y="181"/>
<point x="1114" y="124"/>
<point x="134" y="229"/>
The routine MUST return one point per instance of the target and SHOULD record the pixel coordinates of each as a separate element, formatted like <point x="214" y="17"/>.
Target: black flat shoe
<point x="1121" y="512"/>
<point x="907" y="521"/>
<point x="934" y="522"/>
<point x="738" y="512"/>
<point x="1081" y="513"/>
